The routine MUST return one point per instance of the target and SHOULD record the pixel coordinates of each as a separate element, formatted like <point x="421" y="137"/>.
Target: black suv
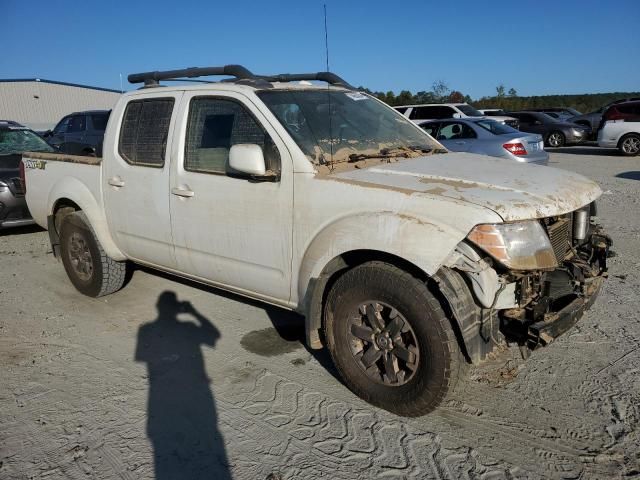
<point x="80" y="133"/>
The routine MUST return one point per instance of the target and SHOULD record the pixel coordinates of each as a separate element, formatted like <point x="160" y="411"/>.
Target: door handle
<point x="182" y="192"/>
<point x="116" y="182"/>
<point x="460" y="143"/>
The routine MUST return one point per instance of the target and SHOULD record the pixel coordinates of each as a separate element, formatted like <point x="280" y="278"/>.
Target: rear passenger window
<point x="424" y="113"/>
<point x="455" y="131"/>
<point x="213" y="127"/>
<point x="145" y="128"/>
<point x="99" y="121"/>
<point x="78" y="123"/>
<point x="430" y="128"/>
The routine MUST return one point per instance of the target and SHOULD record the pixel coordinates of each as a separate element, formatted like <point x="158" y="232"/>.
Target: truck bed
<point x="50" y="177"/>
<point x="62" y="157"/>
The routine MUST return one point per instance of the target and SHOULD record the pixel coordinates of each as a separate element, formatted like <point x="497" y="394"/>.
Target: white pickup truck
<point x="407" y="262"/>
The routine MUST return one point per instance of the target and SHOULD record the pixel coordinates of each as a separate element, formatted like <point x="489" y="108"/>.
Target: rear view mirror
<point x="247" y="158"/>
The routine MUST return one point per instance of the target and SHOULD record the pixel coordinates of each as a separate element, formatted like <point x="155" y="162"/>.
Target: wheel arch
<point x="72" y="193"/>
<point x="450" y="287"/>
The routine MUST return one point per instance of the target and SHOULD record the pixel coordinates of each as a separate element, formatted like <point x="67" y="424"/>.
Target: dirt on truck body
<point x="407" y="262"/>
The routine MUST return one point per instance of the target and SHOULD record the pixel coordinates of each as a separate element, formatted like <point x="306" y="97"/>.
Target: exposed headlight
<point x="577" y="131"/>
<point x="518" y="246"/>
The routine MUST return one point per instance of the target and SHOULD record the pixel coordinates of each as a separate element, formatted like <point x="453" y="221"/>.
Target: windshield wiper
<point x="403" y="152"/>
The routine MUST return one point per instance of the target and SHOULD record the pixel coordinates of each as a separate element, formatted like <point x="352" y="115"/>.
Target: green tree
<point x="500" y="91"/>
<point x="456" y="97"/>
<point x="513" y="92"/>
<point x="440" y="90"/>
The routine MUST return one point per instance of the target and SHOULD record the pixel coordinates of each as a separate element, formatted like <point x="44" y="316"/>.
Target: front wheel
<point x="555" y="139"/>
<point x="390" y="340"/>
<point x="91" y="271"/>
<point x="630" y="145"/>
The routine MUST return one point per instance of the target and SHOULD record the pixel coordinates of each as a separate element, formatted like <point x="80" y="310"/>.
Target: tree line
<point x="504" y="99"/>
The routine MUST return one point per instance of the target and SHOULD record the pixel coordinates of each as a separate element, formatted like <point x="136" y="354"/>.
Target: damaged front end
<point x="530" y="297"/>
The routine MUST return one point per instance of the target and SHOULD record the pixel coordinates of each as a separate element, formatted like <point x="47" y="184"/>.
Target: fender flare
<point x="70" y="188"/>
<point x="418" y="242"/>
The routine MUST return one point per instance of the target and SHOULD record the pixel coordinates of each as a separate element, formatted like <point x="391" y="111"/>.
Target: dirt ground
<point x="205" y="384"/>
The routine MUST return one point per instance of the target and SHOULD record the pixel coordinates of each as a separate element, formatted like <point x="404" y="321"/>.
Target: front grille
<point x="559" y="230"/>
<point x="17" y="186"/>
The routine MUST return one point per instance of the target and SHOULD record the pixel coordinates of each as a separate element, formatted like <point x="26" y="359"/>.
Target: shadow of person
<point x="181" y="415"/>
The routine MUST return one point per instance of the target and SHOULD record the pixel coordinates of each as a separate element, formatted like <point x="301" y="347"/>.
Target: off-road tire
<point x="107" y="276"/>
<point x="629" y="145"/>
<point x="441" y="363"/>
<point x="556" y="139"/>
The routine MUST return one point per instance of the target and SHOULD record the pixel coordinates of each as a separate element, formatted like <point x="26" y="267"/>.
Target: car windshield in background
<point x="99" y="121"/>
<point x="14" y="141"/>
<point x="494" y="127"/>
<point x="333" y="126"/>
<point x="548" y="118"/>
<point x="469" y="110"/>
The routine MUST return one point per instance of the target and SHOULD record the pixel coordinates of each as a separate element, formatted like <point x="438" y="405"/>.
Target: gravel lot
<point x="88" y="386"/>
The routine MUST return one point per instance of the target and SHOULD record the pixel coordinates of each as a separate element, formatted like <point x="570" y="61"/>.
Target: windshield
<point x="496" y="128"/>
<point x="334" y="126"/>
<point x="14" y="141"/>
<point x="469" y="110"/>
<point x="546" y="118"/>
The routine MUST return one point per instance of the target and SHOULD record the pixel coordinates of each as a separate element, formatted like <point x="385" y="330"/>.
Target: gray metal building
<point x="40" y="104"/>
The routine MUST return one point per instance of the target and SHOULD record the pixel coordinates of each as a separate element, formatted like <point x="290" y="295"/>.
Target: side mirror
<point x="456" y="115"/>
<point x="247" y="158"/>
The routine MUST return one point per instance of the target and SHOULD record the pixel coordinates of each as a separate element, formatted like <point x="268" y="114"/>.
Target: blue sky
<point x="538" y="47"/>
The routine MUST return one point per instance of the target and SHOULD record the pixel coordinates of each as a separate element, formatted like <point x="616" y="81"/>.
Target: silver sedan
<point x="487" y="137"/>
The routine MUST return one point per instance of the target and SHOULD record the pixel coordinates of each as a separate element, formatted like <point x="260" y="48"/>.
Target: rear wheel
<point x="630" y="144"/>
<point x="390" y="339"/>
<point x="91" y="271"/>
<point x="555" y="139"/>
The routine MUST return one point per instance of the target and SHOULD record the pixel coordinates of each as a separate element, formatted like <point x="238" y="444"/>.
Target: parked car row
<point x="558" y="126"/>
<point x="438" y="111"/>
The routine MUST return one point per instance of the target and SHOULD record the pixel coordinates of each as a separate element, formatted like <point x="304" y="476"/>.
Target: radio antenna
<point x="326" y="49"/>
<point x="326" y="37"/>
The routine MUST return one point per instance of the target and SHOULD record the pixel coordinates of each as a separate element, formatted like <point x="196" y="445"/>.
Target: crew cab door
<point x="228" y="228"/>
<point x="135" y="180"/>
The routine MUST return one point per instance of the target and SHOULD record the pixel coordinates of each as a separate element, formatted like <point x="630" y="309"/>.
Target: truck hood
<point x="515" y="191"/>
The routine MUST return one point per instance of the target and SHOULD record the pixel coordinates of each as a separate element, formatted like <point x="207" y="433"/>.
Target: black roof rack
<point x="329" y="77"/>
<point x="241" y="74"/>
<point x="152" y="78"/>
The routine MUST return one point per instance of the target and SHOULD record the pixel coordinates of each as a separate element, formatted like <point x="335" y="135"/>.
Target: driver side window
<point x="214" y="126"/>
<point x="62" y="127"/>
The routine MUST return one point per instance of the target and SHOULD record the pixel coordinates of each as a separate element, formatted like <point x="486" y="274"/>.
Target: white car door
<point x="136" y="178"/>
<point x="230" y="229"/>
